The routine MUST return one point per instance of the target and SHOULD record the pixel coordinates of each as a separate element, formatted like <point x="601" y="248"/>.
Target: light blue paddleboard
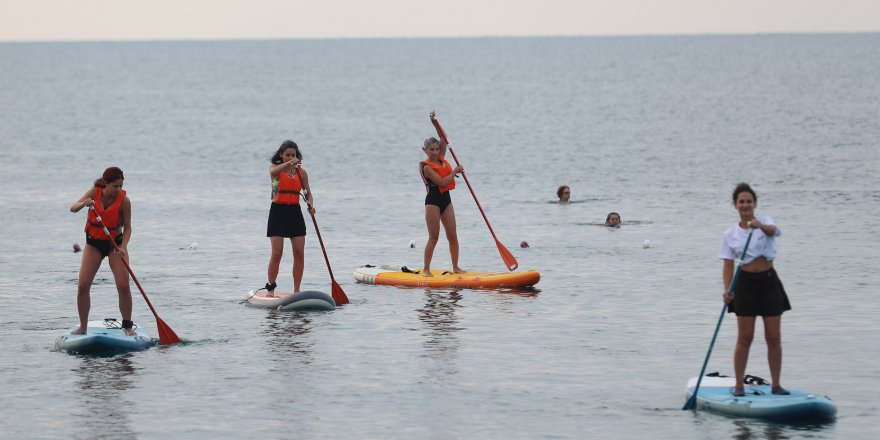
<point x="104" y="336"/>
<point x="716" y="395"/>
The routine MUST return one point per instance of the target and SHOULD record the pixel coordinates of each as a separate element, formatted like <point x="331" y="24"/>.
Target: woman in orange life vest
<point x="439" y="178"/>
<point x="285" y="215"/>
<point x="112" y="204"/>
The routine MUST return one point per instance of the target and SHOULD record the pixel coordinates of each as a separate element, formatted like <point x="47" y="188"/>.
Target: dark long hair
<point x="276" y="159"/>
<point x="111" y="174"/>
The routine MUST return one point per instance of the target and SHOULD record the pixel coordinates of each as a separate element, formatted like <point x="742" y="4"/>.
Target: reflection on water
<point x="762" y="430"/>
<point x="287" y="334"/>
<point x="526" y="292"/>
<point x="770" y="432"/>
<point x="441" y="321"/>
<point x="104" y="409"/>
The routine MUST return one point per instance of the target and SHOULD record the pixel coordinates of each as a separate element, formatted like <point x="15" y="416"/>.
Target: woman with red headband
<point x="111" y="203"/>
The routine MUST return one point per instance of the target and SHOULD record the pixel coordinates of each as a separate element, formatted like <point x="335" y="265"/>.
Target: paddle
<point x="166" y="335"/>
<point x="692" y="402"/>
<point x="336" y="292"/>
<point x="508" y="258"/>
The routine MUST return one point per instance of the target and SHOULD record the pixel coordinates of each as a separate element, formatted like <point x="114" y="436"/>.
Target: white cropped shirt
<point x="761" y="245"/>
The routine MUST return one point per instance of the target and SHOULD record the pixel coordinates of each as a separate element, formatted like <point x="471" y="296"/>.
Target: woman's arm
<point x="441" y="181"/>
<point x="443" y="144"/>
<point x="86" y="200"/>
<point x="275" y="170"/>
<point x="769" y="230"/>
<point x="726" y="277"/>
<point x="125" y="220"/>
<point x="310" y="198"/>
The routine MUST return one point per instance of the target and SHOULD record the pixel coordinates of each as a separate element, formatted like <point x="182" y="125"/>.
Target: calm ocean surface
<point x="656" y="128"/>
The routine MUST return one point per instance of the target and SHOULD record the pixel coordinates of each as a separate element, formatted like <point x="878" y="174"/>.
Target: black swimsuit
<point x="103" y="246"/>
<point x="438" y="199"/>
<point x="434" y="197"/>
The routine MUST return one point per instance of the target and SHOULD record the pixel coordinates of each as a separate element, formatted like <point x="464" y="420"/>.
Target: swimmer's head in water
<point x="564" y="193"/>
<point x="613" y="219"/>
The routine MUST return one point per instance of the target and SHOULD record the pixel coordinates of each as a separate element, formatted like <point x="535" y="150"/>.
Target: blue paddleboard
<point x="104" y="336"/>
<point x="716" y="395"/>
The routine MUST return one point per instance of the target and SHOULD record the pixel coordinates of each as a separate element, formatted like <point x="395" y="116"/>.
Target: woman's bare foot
<point x="129" y="332"/>
<point x="270" y="294"/>
<point x="427" y="273"/>
<point x="458" y="270"/>
<point x="79" y="331"/>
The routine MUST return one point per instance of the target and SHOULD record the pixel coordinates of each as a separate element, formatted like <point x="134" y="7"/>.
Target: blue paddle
<point x="692" y="402"/>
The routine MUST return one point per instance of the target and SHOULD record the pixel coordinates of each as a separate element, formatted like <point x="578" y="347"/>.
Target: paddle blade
<point x="338" y="294"/>
<point x="509" y="259"/>
<point x="166" y="335"/>
<point x="691" y="404"/>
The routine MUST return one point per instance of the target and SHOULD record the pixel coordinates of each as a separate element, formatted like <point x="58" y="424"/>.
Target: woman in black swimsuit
<point x="109" y="200"/>
<point x="439" y="178"/>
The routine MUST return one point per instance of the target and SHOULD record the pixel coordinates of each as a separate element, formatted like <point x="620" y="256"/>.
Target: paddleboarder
<point x="289" y="182"/>
<point x="111" y="202"/>
<point x="439" y="178"/>
<point x="758" y="291"/>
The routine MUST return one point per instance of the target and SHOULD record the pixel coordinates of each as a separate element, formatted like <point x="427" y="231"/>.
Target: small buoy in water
<point x="412" y="243"/>
<point x="193" y="246"/>
<point x="76" y="248"/>
<point x="523" y="245"/>
<point x="647" y="244"/>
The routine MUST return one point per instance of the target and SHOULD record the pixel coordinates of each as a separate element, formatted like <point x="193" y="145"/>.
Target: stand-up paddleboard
<point x="716" y="395"/>
<point x="391" y="276"/>
<point x="306" y="300"/>
<point x="104" y="336"/>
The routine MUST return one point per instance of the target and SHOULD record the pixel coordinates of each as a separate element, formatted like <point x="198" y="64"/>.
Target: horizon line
<point x="436" y="37"/>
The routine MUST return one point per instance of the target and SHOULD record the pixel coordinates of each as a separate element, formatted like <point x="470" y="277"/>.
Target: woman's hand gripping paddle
<point x="166" y="335"/>
<point x="336" y="292"/>
<point x="692" y="402"/>
<point x="509" y="259"/>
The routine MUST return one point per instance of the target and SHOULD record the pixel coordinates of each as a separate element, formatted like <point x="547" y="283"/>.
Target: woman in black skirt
<point x="758" y="291"/>
<point x="290" y="182"/>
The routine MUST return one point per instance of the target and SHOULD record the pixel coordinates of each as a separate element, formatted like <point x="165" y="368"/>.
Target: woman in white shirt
<point x="758" y="291"/>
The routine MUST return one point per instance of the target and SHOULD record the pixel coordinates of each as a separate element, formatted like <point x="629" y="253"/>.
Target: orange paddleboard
<point x="391" y="276"/>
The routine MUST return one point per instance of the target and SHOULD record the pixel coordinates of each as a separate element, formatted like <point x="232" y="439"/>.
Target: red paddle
<point x="508" y="258"/>
<point x="166" y="335"/>
<point x="336" y="292"/>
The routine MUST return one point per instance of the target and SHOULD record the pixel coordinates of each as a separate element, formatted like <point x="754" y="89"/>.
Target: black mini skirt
<point x="759" y="294"/>
<point x="285" y="221"/>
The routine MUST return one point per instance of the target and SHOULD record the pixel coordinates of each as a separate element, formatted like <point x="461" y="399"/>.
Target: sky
<point x="90" y="20"/>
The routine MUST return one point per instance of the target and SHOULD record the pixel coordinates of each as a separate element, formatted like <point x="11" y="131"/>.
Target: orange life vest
<point x="109" y="216"/>
<point x="443" y="170"/>
<point x="285" y="189"/>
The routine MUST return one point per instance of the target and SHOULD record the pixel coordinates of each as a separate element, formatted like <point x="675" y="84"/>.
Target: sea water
<point x="658" y="129"/>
